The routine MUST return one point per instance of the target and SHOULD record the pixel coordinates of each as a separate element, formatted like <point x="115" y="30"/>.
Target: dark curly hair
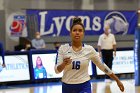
<point x="77" y="21"/>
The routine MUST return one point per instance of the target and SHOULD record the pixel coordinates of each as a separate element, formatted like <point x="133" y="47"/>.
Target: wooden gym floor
<point x="98" y="86"/>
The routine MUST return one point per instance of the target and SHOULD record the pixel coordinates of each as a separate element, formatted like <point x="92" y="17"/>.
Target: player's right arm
<point x="61" y="61"/>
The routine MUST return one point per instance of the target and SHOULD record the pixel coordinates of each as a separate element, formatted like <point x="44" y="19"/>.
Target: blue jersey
<point x="40" y="73"/>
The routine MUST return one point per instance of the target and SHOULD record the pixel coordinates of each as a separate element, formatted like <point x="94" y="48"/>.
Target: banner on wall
<point x="137" y="56"/>
<point x="58" y="22"/>
<point x="16" y="25"/>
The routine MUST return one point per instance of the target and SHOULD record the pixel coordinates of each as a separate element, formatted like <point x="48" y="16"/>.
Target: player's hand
<point x="100" y="54"/>
<point x="114" y="54"/>
<point x="67" y="61"/>
<point x="120" y="85"/>
<point x="3" y="65"/>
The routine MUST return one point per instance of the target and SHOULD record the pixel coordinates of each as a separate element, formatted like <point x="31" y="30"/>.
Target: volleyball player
<point x="73" y="59"/>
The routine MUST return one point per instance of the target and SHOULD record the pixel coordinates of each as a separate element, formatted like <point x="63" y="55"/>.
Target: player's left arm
<point x="97" y="61"/>
<point x="119" y="83"/>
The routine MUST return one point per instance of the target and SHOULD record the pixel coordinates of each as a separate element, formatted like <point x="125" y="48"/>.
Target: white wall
<point x="1" y="4"/>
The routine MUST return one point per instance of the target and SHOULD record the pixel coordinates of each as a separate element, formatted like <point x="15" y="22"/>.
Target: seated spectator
<point x="19" y="47"/>
<point x="27" y="47"/>
<point x="57" y="45"/>
<point x="38" y="42"/>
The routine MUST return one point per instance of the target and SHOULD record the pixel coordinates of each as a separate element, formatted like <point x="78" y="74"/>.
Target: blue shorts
<point x="76" y="88"/>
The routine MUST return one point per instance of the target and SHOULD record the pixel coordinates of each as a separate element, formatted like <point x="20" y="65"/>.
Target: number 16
<point x="76" y="65"/>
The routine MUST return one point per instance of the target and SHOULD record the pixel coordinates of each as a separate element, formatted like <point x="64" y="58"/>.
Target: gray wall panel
<point x="2" y="27"/>
<point x="123" y="41"/>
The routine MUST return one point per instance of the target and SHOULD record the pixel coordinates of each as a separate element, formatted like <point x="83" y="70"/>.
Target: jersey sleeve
<point x="94" y="56"/>
<point x="59" y="58"/>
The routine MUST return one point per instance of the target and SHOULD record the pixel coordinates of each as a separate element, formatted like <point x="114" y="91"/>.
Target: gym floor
<point x="98" y="86"/>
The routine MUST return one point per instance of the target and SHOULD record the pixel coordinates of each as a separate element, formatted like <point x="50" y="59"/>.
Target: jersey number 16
<point x="76" y="65"/>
